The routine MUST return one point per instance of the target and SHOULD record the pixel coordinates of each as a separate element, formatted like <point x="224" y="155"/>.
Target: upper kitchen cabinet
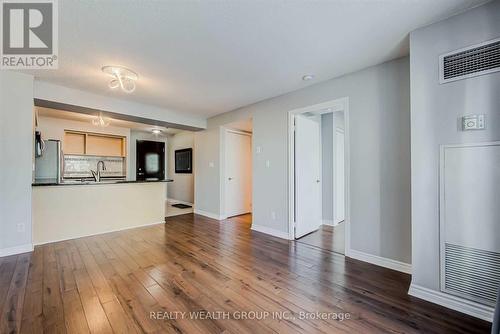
<point x="74" y="143"/>
<point x="94" y="144"/>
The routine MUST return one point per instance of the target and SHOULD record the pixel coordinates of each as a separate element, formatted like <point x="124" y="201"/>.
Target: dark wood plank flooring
<point x="218" y="270"/>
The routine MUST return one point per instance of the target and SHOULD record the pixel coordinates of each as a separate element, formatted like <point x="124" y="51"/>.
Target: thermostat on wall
<point x="472" y="122"/>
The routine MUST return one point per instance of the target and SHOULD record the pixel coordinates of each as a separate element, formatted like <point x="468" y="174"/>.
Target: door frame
<point x="340" y="104"/>
<point x="222" y="164"/>
<point x="336" y="131"/>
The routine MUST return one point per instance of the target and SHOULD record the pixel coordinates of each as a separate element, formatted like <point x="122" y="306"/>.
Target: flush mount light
<point x="308" y="77"/>
<point x="121" y="77"/>
<point x="100" y="121"/>
<point x="156" y="131"/>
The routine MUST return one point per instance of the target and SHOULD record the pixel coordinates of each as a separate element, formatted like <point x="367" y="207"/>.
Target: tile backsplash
<point x="79" y="166"/>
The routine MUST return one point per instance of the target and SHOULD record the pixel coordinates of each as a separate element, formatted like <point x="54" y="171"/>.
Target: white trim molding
<point x="176" y="201"/>
<point x="452" y="302"/>
<point x="16" y="250"/>
<point x="328" y="222"/>
<point x="209" y="214"/>
<point x="271" y="231"/>
<point x="380" y="261"/>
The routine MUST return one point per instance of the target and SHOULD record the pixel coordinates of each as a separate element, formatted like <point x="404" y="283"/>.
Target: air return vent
<point x="472" y="273"/>
<point x="472" y="61"/>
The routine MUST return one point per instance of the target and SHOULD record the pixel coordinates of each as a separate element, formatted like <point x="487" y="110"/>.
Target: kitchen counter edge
<point x="51" y="184"/>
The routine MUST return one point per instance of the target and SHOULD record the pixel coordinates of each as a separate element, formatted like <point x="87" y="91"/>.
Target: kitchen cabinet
<point x="74" y="143"/>
<point x="86" y="143"/>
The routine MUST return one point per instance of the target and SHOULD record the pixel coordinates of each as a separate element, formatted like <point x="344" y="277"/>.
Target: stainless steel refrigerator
<point x="48" y="165"/>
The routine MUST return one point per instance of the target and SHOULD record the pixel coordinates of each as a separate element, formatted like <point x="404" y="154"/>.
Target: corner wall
<point x="182" y="189"/>
<point x="435" y="113"/>
<point x="207" y="173"/>
<point x="380" y="157"/>
<point x="16" y="162"/>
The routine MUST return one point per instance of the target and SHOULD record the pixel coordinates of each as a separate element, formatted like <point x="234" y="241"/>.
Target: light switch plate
<point x="473" y="122"/>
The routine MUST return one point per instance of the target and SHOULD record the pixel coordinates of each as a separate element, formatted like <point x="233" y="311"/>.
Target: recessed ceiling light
<point x="156" y="131"/>
<point x="121" y="77"/>
<point x="308" y="77"/>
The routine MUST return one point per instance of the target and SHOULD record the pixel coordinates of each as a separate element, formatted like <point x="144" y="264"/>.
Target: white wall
<point x="74" y="211"/>
<point x="327" y="166"/>
<point x="182" y="189"/>
<point x="55" y="93"/>
<point x="16" y="161"/>
<point x="435" y="112"/>
<point x="380" y="156"/>
<point x="330" y="122"/>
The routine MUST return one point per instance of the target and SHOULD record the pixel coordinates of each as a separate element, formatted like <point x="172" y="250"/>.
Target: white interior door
<point x="238" y="170"/>
<point x="339" y="177"/>
<point x="307" y="176"/>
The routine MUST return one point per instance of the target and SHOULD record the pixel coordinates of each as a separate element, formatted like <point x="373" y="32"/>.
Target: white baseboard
<point x="271" y="231"/>
<point x="175" y="201"/>
<point x="380" y="261"/>
<point x="209" y="214"/>
<point x="452" y="302"/>
<point x="16" y="250"/>
<point x="328" y="222"/>
<point x="98" y="233"/>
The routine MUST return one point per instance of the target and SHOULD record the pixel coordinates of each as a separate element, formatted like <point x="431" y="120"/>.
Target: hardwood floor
<point x="126" y="282"/>
<point x="327" y="237"/>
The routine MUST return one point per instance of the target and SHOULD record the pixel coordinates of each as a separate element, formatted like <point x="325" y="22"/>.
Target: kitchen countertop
<point x="53" y="182"/>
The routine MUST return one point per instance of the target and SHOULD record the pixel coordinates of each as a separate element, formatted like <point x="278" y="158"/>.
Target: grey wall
<point x="435" y="111"/>
<point x="207" y="171"/>
<point x="380" y="156"/>
<point x="16" y="159"/>
<point x="182" y="189"/>
<point x="327" y="166"/>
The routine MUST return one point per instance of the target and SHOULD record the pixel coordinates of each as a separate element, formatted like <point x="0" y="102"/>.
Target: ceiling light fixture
<point x="121" y="77"/>
<point x="100" y="121"/>
<point x="308" y="77"/>
<point x="156" y="131"/>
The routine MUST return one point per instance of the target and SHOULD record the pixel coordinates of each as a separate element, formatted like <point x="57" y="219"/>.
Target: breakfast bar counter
<point x="64" y="211"/>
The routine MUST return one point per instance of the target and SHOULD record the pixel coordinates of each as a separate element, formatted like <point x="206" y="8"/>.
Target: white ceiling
<point x="208" y="57"/>
<point x="79" y="117"/>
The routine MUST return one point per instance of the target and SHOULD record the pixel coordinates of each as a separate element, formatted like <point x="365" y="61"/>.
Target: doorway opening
<point x="236" y="171"/>
<point x="180" y="169"/>
<point x="319" y="176"/>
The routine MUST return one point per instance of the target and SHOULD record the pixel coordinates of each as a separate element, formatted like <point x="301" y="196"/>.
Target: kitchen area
<point x="94" y="174"/>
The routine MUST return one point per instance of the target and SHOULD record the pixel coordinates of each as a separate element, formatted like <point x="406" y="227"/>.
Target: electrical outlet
<point x="273" y="215"/>
<point x="211" y="164"/>
<point x="20" y="228"/>
<point x="268" y="163"/>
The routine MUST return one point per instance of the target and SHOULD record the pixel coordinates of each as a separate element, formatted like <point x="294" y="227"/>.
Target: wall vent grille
<point x="475" y="60"/>
<point x="472" y="273"/>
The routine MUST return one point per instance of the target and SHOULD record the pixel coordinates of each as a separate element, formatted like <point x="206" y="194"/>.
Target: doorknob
<point x="229" y="178"/>
<point x="317" y="181"/>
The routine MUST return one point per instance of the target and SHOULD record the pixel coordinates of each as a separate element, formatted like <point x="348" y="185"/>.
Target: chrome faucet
<point x="97" y="174"/>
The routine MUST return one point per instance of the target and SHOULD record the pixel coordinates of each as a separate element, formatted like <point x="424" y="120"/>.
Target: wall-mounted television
<point x="184" y="161"/>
